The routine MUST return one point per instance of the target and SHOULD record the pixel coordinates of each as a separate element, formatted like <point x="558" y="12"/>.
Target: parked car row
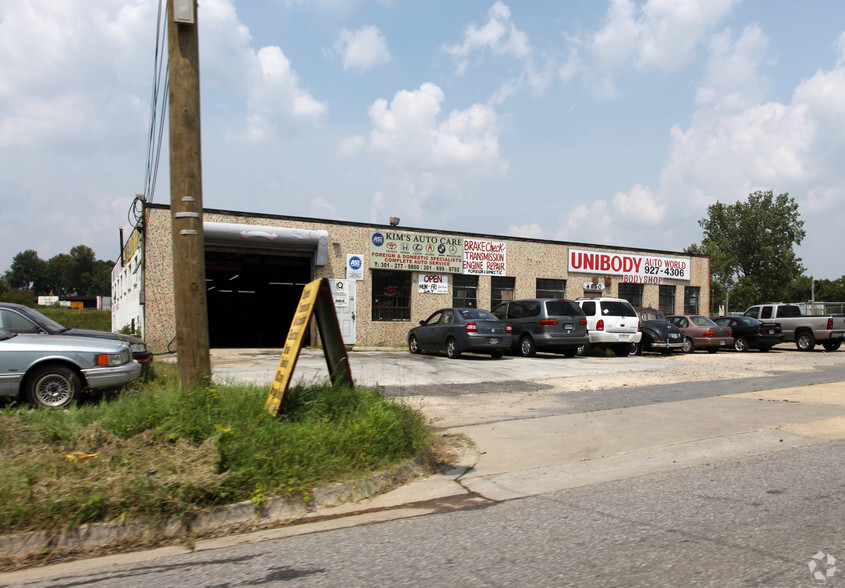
<point x="524" y="327"/>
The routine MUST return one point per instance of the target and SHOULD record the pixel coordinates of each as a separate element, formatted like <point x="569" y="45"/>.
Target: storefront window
<point x="391" y="295"/>
<point x="667" y="300"/>
<point x="691" y="300"/>
<point x="464" y="291"/>
<point x="501" y="289"/>
<point x="633" y="293"/>
<point x="547" y="288"/>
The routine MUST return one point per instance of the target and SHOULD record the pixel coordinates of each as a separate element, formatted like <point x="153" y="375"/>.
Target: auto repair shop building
<point x="384" y="279"/>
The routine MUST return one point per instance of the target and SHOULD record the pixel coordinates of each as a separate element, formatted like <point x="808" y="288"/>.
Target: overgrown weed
<point x="158" y="451"/>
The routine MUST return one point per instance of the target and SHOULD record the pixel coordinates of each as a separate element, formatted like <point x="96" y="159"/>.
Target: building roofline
<point x="425" y="230"/>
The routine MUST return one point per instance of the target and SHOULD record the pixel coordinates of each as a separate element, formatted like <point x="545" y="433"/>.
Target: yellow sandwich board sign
<point x="316" y="299"/>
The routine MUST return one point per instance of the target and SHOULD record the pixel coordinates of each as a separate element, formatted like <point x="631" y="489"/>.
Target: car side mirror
<point x="422" y="323"/>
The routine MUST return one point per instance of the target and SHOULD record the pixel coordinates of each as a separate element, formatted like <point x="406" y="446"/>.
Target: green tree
<point x="751" y="245"/>
<point x="61" y="270"/>
<point x="28" y="272"/>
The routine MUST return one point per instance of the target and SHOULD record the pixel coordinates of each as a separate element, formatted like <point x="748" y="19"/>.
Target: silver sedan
<point x="54" y="371"/>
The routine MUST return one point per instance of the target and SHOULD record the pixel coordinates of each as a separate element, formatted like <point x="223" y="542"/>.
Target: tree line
<point x="751" y="245"/>
<point x="77" y="273"/>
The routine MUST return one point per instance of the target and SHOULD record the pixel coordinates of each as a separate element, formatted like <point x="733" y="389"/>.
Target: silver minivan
<point x="544" y="324"/>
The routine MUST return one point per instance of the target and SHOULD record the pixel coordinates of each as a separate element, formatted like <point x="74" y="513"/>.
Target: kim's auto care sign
<point x="416" y="252"/>
<point x="635" y="269"/>
<point x="485" y="257"/>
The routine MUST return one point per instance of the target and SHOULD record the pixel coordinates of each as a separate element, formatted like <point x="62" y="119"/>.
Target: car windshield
<point x="475" y="314"/>
<point x="614" y="308"/>
<point x="702" y="321"/>
<point x="44" y="322"/>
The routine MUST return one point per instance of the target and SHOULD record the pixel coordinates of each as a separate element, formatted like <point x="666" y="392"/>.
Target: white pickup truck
<point x="804" y="329"/>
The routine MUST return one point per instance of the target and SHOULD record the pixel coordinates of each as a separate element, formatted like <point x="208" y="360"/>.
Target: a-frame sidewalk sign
<point x="316" y="300"/>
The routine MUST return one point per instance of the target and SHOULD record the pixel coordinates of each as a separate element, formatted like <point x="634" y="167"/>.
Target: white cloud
<point x="528" y="230"/>
<point x="407" y="130"/>
<point x="45" y="97"/>
<point x="429" y="163"/>
<point x="276" y="102"/>
<point x="498" y="35"/>
<point x="658" y="34"/>
<point x="733" y="80"/>
<point x="362" y="49"/>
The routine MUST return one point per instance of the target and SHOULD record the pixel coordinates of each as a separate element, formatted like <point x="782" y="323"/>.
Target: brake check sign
<point x="485" y="257"/>
<point x="635" y="269"/>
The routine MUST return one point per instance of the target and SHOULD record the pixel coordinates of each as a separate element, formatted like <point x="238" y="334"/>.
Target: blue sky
<point x="612" y="123"/>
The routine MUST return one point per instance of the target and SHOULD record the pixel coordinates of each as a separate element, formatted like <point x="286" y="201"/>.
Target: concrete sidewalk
<point x="526" y="457"/>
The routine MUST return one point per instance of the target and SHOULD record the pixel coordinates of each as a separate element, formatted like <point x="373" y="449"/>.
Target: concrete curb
<point x="241" y="517"/>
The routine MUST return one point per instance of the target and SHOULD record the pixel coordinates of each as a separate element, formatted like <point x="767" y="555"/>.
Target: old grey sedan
<point x="456" y="330"/>
<point x="54" y="371"/>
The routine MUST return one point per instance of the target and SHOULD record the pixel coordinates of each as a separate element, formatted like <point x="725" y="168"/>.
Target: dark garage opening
<point x="252" y="296"/>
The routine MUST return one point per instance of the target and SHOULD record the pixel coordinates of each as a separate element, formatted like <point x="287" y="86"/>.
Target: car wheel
<point x="712" y="349"/>
<point x="805" y="341"/>
<point x="452" y="351"/>
<point x="54" y="386"/>
<point x="413" y="345"/>
<point x="765" y="348"/>
<point x="527" y="347"/>
<point x="635" y="349"/>
<point x="831" y="345"/>
<point x="688" y="346"/>
<point x="496" y="354"/>
<point x="741" y="344"/>
<point x="570" y="351"/>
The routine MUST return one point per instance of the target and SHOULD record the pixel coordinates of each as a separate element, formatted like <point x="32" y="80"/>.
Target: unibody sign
<point x="635" y="269"/>
<point x="485" y="257"/>
<point x="416" y="252"/>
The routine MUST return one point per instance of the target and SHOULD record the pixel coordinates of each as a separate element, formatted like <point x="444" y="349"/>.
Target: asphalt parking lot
<point x="396" y="368"/>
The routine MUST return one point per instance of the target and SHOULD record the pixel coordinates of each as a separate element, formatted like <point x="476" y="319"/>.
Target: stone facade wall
<point x="527" y="260"/>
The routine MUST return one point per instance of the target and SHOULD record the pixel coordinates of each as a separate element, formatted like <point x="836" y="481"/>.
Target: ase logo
<point x="378" y="239"/>
<point x="355" y="262"/>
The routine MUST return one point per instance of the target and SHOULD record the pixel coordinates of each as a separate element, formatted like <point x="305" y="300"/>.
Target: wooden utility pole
<point x="186" y="193"/>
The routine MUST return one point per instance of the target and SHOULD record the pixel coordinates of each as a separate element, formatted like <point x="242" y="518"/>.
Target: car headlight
<point x="112" y="359"/>
<point x="138" y="347"/>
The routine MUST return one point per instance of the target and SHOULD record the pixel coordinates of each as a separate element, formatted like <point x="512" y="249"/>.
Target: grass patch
<point x="163" y="451"/>
<point x="78" y="318"/>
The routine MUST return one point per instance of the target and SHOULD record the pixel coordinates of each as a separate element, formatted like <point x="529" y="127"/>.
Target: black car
<point x="17" y="318"/>
<point x="455" y="330"/>
<point x="749" y="333"/>
<point x="658" y="333"/>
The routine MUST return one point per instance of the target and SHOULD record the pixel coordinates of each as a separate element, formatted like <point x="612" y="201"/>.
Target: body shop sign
<point x="485" y="257"/>
<point x="635" y="269"/>
<point x="415" y="252"/>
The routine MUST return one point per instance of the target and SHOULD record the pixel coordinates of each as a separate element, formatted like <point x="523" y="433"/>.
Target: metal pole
<point x="186" y="198"/>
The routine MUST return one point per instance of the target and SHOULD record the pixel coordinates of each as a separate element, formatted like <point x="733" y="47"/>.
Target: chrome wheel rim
<point x="53" y="390"/>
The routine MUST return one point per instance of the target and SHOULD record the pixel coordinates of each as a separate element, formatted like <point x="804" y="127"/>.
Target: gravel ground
<point x="503" y="401"/>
